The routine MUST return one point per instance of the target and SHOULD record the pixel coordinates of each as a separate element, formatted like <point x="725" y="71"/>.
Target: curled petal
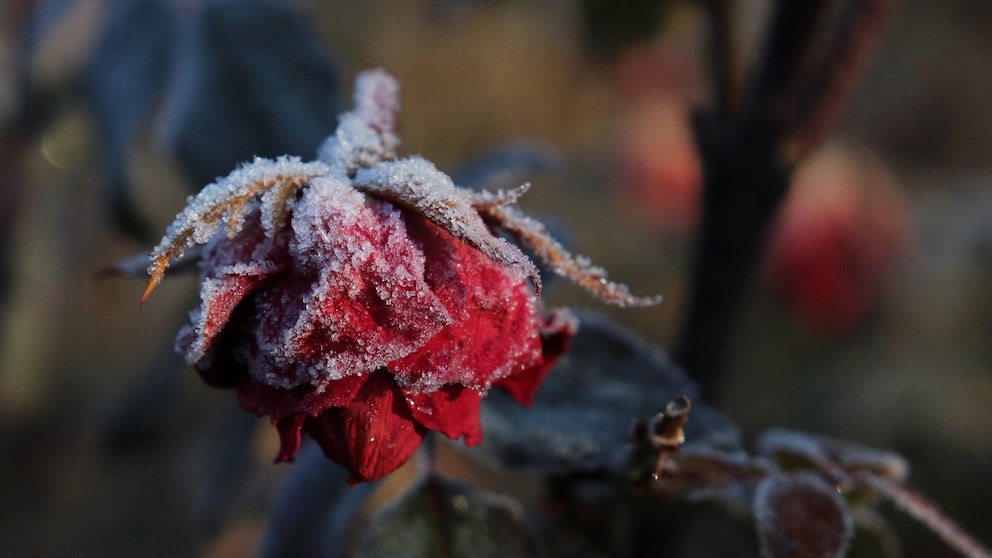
<point x="355" y="300"/>
<point x="234" y="268"/>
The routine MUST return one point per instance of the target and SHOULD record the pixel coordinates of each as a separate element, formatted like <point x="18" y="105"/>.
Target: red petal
<point x="452" y="410"/>
<point x="279" y="402"/>
<point x="289" y="435"/>
<point x="495" y="327"/>
<point x="373" y="435"/>
<point x="556" y="336"/>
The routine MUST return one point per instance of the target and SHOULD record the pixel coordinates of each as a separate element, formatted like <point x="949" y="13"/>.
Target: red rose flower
<point x="365" y="299"/>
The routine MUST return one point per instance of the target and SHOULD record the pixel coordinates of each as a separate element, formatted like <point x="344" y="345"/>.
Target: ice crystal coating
<point x="366" y="299"/>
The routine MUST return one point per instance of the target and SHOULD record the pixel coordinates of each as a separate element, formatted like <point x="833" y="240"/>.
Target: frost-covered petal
<point x="494" y="328"/>
<point x="416" y="184"/>
<point x="373" y="435"/>
<point x="355" y="300"/>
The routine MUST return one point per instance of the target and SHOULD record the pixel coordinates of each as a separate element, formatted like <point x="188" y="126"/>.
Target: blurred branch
<point x="746" y="167"/>
<point x="826" y="93"/>
<point x="721" y="55"/>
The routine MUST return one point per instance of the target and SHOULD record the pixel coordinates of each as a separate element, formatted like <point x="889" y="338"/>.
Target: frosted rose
<point x="365" y="299"/>
<point x="366" y="325"/>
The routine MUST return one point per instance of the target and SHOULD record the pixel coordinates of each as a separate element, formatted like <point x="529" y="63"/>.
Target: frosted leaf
<point x="801" y="516"/>
<point x="532" y="234"/>
<point x="366" y="135"/>
<point x="416" y="184"/>
<point x="225" y="204"/>
<point x="825" y="452"/>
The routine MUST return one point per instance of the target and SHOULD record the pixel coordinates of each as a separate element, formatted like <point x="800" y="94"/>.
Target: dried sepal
<point x="225" y="204"/>
<point x="416" y="184"/>
<point x="367" y="134"/>
<point x="532" y="234"/>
